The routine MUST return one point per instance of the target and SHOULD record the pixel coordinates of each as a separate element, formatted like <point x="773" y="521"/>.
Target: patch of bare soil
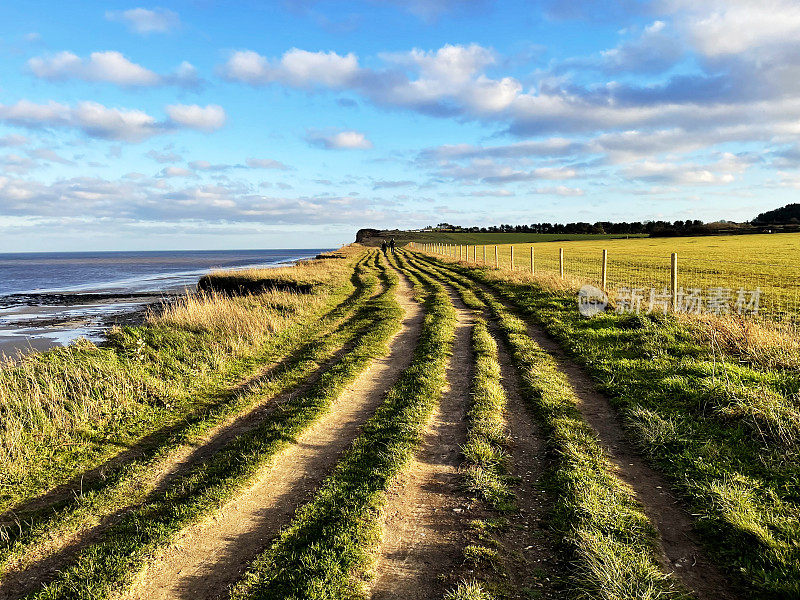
<point x="426" y="516"/>
<point x="212" y="555"/>
<point x="682" y="554"/>
<point x="41" y="563"/>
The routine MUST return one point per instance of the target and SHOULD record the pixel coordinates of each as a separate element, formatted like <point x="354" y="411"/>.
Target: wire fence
<point x="645" y="282"/>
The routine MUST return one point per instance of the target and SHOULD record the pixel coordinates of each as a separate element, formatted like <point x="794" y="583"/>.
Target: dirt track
<point x="212" y="555"/>
<point x="425" y="516"/>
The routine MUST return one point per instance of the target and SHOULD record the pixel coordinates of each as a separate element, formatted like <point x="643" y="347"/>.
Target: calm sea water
<point x="126" y="271"/>
<point x="30" y="322"/>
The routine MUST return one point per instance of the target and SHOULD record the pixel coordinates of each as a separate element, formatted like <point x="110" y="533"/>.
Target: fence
<point x="691" y="284"/>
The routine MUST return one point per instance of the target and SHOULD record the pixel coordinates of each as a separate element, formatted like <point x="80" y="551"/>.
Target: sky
<point x="204" y="124"/>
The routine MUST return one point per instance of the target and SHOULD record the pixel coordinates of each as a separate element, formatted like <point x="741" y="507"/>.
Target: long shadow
<point x="222" y="455"/>
<point x="35" y="512"/>
<point x="681" y="549"/>
<point x="19" y="583"/>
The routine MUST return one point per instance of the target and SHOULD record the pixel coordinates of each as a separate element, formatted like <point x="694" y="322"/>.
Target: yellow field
<point x="719" y="270"/>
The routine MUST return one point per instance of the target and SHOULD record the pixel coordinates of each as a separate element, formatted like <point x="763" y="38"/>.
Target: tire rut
<point x="681" y="552"/>
<point x="529" y="536"/>
<point x="47" y="560"/>
<point x="212" y="555"/>
<point x="425" y="514"/>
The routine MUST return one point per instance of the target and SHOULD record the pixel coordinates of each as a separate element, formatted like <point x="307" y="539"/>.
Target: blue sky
<point x="206" y="124"/>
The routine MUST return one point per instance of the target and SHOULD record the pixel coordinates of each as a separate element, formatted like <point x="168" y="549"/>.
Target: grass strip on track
<point x="611" y="539"/>
<point x="711" y="426"/>
<point x="327" y="549"/>
<point x="485" y="450"/>
<point x="129" y="482"/>
<point x="110" y="564"/>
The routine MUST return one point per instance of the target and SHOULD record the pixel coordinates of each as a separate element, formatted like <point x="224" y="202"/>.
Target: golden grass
<point x="237" y="322"/>
<point x="48" y="399"/>
<point x="764" y="343"/>
<point x="766" y="262"/>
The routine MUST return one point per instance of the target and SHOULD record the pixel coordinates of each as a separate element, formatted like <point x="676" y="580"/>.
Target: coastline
<point x="36" y="321"/>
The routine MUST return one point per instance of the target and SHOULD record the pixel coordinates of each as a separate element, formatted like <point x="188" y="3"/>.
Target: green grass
<point x="610" y="538"/>
<point x="485" y="450"/>
<point x="328" y="548"/>
<point x="468" y="590"/>
<point x="714" y="424"/>
<point x="110" y="564"/>
<point x="66" y="411"/>
<point x="130" y="481"/>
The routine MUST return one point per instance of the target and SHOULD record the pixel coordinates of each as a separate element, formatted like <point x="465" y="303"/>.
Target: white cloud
<point x="145" y="21"/>
<point x="560" y="190"/>
<point x="13" y="140"/>
<point x="109" y="67"/>
<point x="725" y="27"/>
<point x="114" y="124"/>
<point x="177" y="172"/>
<point x="49" y="155"/>
<point x="208" y="118"/>
<point x="724" y="171"/>
<point x="655" y="50"/>
<point x="296" y="68"/>
<point x="164" y="157"/>
<point x="342" y="140"/>
<point x="99" y="121"/>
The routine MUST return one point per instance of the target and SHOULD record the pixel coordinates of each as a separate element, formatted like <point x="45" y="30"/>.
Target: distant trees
<point x="624" y="227"/>
<point x="788" y="215"/>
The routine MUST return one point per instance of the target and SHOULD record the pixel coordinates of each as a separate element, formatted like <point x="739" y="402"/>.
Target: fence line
<point x="685" y="284"/>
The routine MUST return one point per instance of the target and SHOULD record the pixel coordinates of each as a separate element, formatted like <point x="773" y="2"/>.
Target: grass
<point x="717" y="422"/>
<point x="328" y="548"/>
<point x="110" y="564"/>
<point x="468" y="590"/>
<point x="485" y="450"/>
<point x="71" y="408"/>
<point x="766" y="262"/>
<point x="610" y="538"/>
<point x="129" y="482"/>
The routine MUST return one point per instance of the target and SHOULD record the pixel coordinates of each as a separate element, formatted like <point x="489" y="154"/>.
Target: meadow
<point x="767" y="263"/>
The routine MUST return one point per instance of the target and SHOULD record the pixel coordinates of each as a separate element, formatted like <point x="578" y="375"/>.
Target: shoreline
<point x="36" y="321"/>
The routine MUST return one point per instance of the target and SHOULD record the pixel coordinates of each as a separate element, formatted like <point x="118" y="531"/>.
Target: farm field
<point x="765" y="262"/>
<point x="403" y="237"/>
<point x="404" y="425"/>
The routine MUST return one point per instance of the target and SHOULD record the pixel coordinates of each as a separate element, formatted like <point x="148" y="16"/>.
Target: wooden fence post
<point x="531" y="259"/>
<point x="484" y="255"/>
<point x="475" y="254"/>
<point x="512" y="258"/>
<point x="605" y="270"/>
<point x="496" y="264"/>
<point x="673" y="283"/>
<point x="561" y="262"/>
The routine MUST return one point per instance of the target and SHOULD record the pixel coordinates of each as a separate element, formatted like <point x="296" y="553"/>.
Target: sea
<point x="53" y="298"/>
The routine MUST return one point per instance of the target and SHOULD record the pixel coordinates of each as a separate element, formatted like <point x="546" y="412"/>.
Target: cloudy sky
<point x="253" y="124"/>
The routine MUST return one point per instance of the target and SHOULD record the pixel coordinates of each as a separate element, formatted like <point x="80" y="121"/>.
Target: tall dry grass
<point x="45" y="399"/>
<point x="54" y="399"/>
<point x="236" y="323"/>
